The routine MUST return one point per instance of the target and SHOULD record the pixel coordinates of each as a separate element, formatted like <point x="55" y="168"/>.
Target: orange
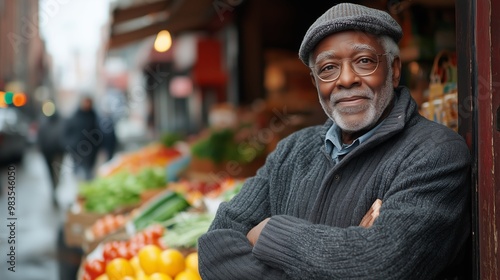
<point x="141" y="276"/>
<point x="188" y="275"/>
<point x="192" y="261"/>
<point x="134" y="261"/>
<point x="119" y="268"/>
<point x="171" y="262"/>
<point x="149" y="256"/>
<point x="159" y="276"/>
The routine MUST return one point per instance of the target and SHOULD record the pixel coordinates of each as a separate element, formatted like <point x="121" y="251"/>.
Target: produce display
<point x="106" y="194"/>
<point x="155" y="154"/>
<point x="184" y="229"/>
<point x="162" y="208"/>
<point x="107" y="224"/>
<point x="224" y="145"/>
<point x="156" y="237"/>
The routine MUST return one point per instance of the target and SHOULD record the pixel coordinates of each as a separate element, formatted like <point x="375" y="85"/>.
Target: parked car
<point x="14" y="133"/>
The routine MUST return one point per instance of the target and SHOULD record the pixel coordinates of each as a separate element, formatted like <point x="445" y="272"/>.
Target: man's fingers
<point x="371" y="215"/>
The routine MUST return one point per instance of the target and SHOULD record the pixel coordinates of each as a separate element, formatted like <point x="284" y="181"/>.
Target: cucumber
<point x="161" y="209"/>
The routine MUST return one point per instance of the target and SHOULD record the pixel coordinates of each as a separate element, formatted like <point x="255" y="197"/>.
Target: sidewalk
<point x="37" y="221"/>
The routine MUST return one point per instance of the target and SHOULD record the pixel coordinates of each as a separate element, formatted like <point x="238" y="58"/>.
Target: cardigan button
<point x="336" y="177"/>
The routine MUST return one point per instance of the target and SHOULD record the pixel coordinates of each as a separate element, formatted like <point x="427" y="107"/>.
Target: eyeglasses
<point x="362" y="64"/>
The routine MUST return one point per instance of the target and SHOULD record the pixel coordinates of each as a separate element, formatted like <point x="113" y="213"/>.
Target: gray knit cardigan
<point x="418" y="168"/>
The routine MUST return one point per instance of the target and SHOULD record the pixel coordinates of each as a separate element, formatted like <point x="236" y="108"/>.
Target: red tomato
<point x="139" y="238"/>
<point x="86" y="276"/>
<point x="94" y="268"/>
<point x="123" y="251"/>
<point x="156" y="230"/>
<point x="109" y="252"/>
<point x="133" y="248"/>
<point x="158" y="242"/>
<point x="148" y="236"/>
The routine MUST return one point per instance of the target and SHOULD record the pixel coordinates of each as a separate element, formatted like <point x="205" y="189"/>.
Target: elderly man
<point x="377" y="192"/>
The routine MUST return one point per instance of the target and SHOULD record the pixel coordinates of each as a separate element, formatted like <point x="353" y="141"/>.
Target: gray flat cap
<point x="347" y="16"/>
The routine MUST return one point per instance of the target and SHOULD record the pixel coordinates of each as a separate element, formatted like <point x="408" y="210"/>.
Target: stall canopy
<point x="146" y="18"/>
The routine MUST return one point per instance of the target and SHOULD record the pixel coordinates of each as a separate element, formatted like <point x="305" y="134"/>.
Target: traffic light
<point x="9" y="98"/>
<point x="19" y="99"/>
<point x="2" y="99"/>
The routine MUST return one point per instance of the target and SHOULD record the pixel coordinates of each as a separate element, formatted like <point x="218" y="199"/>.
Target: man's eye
<point x="366" y="60"/>
<point x="329" y="68"/>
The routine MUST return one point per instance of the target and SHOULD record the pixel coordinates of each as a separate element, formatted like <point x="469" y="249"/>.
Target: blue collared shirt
<point x="334" y="145"/>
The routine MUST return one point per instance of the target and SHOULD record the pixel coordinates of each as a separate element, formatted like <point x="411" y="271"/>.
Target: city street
<point x="32" y="227"/>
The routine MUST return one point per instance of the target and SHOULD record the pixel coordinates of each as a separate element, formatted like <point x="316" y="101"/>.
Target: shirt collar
<point x="333" y="141"/>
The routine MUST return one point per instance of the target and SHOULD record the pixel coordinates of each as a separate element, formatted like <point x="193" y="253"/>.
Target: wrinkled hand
<point x="371" y="215"/>
<point x="254" y="233"/>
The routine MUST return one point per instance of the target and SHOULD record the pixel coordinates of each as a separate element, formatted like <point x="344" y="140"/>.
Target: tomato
<point x="159" y="242"/>
<point x="95" y="268"/>
<point x="149" y="238"/>
<point x="156" y="230"/>
<point x="109" y="222"/>
<point x="109" y="252"/>
<point x="86" y="276"/>
<point x="123" y="251"/>
<point x="139" y="238"/>
<point x="99" y="228"/>
<point x="118" y="268"/>
<point x="133" y="248"/>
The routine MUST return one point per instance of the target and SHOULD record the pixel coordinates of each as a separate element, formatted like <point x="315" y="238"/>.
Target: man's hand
<point x="366" y="222"/>
<point x="254" y="233"/>
<point x="371" y="215"/>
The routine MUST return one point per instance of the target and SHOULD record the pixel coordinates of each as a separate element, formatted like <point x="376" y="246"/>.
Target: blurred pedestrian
<point x="51" y="145"/>
<point x="113" y="107"/>
<point x="107" y="126"/>
<point x="83" y="138"/>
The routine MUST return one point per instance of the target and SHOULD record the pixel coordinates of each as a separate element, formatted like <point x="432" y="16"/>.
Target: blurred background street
<point x="38" y="221"/>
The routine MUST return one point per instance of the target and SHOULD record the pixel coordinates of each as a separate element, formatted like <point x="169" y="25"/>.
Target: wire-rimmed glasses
<point x="364" y="63"/>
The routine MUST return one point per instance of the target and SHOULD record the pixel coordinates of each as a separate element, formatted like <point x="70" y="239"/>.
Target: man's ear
<point x="396" y="71"/>
<point x="312" y="79"/>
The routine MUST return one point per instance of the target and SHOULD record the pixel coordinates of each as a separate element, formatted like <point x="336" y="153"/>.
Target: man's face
<point x="354" y="101"/>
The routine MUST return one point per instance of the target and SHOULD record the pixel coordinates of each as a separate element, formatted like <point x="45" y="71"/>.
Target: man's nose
<point x="348" y="78"/>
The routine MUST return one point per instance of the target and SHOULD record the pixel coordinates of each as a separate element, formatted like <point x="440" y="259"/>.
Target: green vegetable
<point x="184" y="229"/>
<point x="161" y="209"/>
<point x="170" y="138"/>
<point x="105" y="194"/>
<point x="221" y="145"/>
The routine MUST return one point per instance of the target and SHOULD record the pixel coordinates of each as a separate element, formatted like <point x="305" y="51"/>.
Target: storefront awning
<point x="134" y="23"/>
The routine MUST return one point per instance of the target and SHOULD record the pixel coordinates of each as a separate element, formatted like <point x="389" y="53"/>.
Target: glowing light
<point x="181" y="86"/>
<point x="414" y="67"/>
<point x="9" y="95"/>
<point x="48" y="108"/>
<point x="19" y="99"/>
<point x="2" y="99"/>
<point x="163" y="41"/>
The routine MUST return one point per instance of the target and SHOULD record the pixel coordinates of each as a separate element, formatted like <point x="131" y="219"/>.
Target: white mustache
<point x="335" y="97"/>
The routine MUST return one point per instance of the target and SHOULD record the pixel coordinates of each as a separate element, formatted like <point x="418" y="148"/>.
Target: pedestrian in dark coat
<point x="51" y="145"/>
<point x="83" y="138"/>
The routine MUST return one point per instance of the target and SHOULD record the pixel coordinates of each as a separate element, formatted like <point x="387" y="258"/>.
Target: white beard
<point x="377" y="103"/>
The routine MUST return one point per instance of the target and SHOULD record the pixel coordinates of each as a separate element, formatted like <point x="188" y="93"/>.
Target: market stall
<point x="142" y="215"/>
